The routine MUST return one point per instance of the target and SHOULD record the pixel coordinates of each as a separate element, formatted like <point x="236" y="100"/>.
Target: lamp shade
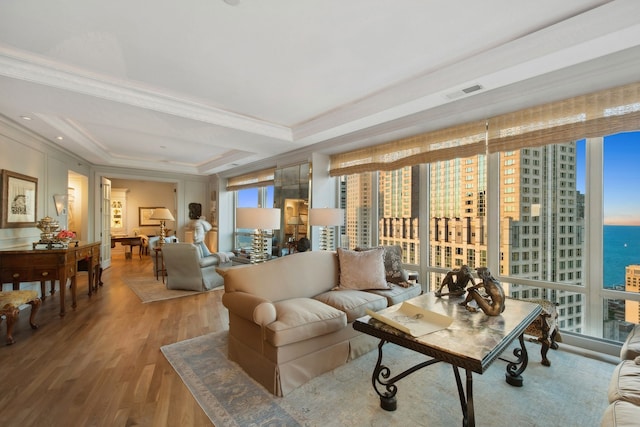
<point x="260" y="218"/>
<point x="326" y="216"/>
<point x="162" y="214"/>
<point x="295" y="220"/>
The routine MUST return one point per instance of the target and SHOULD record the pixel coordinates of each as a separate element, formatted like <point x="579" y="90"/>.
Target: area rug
<point x="572" y="392"/>
<point x="150" y="289"/>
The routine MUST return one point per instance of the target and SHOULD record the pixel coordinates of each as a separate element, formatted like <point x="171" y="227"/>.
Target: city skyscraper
<point x="541" y="219"/>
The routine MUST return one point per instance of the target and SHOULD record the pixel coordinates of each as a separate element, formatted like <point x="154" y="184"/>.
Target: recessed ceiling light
<point x="59" y="138"/>
<point x="25" y="117"/>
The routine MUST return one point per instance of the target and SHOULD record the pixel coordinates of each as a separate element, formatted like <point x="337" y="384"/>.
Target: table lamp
<point x="327" y="218"/>
<point x="162" y="215"/>
<point x="295" y="221"/>
<point x="259" y="219"/>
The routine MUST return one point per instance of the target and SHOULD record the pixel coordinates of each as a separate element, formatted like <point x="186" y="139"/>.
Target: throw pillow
<point x="393" y="265"/>
<point x="362" y="270"/>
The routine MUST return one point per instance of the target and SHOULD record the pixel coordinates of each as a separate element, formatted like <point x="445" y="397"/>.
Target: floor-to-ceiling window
<point x="542" y="225"/>
<point x="620" y="234"/>
<point x="543" y="196"/>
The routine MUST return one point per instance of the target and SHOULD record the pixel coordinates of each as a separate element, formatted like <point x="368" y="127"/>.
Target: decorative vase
<point x="48" y="226"/>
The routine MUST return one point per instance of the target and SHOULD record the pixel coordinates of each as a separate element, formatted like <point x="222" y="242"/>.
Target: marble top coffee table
<point x="472" y="342"/>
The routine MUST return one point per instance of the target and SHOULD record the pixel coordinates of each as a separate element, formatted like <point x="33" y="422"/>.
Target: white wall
<point x="26" y="153"/>
<point x="146" y="194"/>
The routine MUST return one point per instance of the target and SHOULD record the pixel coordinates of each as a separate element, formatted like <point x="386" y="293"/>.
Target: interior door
<point x="105" y="234"/>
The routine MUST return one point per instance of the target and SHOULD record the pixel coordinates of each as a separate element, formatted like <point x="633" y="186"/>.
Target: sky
<point x="621" y="179"/>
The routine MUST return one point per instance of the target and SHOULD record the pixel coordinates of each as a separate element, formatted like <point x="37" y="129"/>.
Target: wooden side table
<point x="160" y="269"/>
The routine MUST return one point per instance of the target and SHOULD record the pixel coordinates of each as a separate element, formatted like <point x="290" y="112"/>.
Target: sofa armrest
<point x="250" y="307"/>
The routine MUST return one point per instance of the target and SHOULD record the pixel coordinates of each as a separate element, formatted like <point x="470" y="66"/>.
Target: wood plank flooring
<point x="101" y="364"/>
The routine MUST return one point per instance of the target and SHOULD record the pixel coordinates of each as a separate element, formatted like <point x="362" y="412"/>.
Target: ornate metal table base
<point x="516" y="368"/>
<point x="385" y="385"/>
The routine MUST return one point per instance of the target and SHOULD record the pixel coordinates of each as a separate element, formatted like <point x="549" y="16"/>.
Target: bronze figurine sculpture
<point x="493" y="302"/>
<point x="456" y="287"/>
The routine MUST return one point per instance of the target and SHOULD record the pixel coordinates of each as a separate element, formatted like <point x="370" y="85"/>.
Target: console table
<point x="472" y="342"/>
<point x="25" y="264"/>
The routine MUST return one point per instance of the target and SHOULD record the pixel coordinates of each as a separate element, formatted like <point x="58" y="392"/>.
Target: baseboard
<point x="595" y="348"/>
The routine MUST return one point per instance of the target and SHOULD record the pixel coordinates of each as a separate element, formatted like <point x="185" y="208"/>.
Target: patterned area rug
<point x="150" y="289"/>
<point x="572" y="392"/>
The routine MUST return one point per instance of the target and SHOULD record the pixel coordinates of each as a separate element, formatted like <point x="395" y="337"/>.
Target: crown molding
<point x="36" y="69"/>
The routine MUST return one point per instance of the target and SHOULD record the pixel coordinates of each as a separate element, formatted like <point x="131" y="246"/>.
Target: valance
<point x="601" y="113"/>
<point x="459" y="141"/>
<point x="260" y="178"/>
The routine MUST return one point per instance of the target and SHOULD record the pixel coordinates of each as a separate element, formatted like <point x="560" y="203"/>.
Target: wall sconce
<point x="327" y="218"/>
<point x="261" y="220"/>
<point x="162" y="214"/>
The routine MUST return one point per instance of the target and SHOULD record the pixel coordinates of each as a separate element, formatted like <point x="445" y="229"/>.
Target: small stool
<point x="545" y="327"/>
<point x="10" y="301"/>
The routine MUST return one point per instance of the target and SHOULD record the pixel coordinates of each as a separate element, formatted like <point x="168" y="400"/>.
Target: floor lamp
<point x="260" y="220"/>
<point x="162" y="215"/>
<point x="327" y="218"/>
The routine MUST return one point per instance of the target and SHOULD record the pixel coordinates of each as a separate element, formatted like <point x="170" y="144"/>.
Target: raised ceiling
<point x="214" y="87"/>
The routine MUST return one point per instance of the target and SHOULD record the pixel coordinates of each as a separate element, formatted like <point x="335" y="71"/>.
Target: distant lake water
<point x="621" y="247"/>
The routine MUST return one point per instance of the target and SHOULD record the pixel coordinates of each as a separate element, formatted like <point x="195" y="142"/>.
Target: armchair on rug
<point x="188" y="269"/>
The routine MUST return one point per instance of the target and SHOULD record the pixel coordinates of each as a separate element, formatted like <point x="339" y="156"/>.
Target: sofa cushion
<point x="299" y="319"/>
<point x="301" y="275"/>
<point x="621" y="414"/>
<point x="362" y="270"/>
<point x="625" y="381"/>
<point x="631" y="347"/>
<point x="352" y="302"/>
<point x="392" y="259"/>
<point x="398" y="293"/>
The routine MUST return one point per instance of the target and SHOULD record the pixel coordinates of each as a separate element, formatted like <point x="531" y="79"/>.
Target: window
<point x="541" y="172"/>
<point x="620" y="232"/>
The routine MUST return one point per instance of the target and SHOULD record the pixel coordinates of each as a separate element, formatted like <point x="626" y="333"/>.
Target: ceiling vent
<point x="466" y="91"/>
<point x="473" y="88"/>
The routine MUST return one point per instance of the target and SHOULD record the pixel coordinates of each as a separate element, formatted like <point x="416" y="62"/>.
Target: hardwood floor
<point x="101" y="365"/>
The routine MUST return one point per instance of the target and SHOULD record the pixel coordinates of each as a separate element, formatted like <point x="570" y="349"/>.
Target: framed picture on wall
<point x="19" y="200"/>
<point x="144" y="214"/>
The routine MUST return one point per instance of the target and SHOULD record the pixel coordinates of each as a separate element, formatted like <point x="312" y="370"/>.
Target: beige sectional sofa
<point x="290" y="319"/>
<point x="624" y="388"/>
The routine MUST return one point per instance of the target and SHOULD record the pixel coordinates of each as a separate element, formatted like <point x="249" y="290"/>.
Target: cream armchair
<point x="152" y="243"/>
<point x="188" y="269"/>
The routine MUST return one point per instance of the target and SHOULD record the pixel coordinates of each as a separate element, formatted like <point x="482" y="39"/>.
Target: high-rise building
<point x="541" y="219"/>
<point x="358" y="210"/>
<point x="398" y="211"/>
<point x="632" y="284"/>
